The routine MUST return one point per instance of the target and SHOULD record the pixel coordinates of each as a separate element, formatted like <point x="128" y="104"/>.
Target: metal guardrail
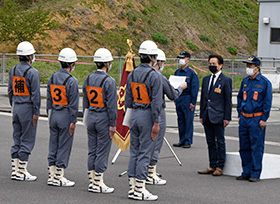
<point x="233" y="66"/>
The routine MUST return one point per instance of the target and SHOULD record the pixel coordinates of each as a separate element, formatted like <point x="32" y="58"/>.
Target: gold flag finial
<point x="129" y="56"/>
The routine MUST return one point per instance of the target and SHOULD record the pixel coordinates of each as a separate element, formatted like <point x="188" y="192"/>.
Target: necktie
<point x="212" y="83"/>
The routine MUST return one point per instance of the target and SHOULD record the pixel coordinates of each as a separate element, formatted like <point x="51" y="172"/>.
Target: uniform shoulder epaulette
<point x="193" y="70"/>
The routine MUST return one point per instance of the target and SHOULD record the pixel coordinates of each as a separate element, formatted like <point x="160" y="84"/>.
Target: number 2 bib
<point x="95" y="94"/>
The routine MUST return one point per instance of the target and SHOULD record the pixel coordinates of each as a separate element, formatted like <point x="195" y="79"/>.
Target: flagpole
<point x="116" y="156"/>
<point x="174" y="154"/>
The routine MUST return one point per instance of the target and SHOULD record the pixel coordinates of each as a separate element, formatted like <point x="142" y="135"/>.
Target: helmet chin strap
<point x="29" y="58"/>
<point x="159" y="65"/>
<point x="108" y="67"/>
<point x="69" y="65"/>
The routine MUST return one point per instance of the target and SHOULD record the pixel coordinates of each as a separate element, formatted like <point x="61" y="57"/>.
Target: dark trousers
<point x="215" y="137"/>
<point x="251" y="141"/>
<point x="185" y="119"/>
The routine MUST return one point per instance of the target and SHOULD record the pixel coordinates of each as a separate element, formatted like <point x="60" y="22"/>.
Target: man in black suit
<point x="215" y="113"/>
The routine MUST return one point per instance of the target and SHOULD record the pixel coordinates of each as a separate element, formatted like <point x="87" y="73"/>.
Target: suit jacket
<point x="218" y="102"/>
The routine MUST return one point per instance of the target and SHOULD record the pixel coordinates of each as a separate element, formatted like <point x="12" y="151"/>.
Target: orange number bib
<point x="58" y="93"/>
<point x="140" y="93"/>
<point x="95" y="96"/>
<point x="19" y="86"/>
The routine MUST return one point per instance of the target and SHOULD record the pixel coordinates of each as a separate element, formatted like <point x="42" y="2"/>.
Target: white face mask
<point x="109" y="67"/>
<point x="161" y="68"/>
<point x="73" y="68"/>
<point x="182" y="62"/>
<point x="33" y="59"/>
<point x="250" y="72"/>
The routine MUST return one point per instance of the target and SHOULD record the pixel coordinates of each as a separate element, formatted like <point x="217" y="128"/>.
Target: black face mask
<point x="213" y="69"/>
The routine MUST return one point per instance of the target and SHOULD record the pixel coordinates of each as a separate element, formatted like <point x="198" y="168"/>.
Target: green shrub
<point x="129" y="5"/>
<point x="193" y="47"/>
<point x="205" y="38"/>
<point x="159" y="37"/>
<point x="232" y="50"/>
<point x="99" y="25"/>
<point x="134" y="18"/>
<point x="145" y="11"/>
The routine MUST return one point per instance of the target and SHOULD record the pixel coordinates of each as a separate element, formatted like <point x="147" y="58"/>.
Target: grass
<point x="160" y="38"/>
<point x="193" y="47"/>
<point x="222" y="20"/>
<point x="232" y="50"/>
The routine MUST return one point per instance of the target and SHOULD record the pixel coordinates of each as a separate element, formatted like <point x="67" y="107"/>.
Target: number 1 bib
<point x="139" y="90"/>
<point x="140" y="93"/>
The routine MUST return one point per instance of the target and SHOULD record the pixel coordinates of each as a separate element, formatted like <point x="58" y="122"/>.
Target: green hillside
<point x="223" y="26"/>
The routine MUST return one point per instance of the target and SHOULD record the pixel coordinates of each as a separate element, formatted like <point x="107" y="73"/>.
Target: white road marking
<point x="198" y="134"/>
<point x="169" y="130"/>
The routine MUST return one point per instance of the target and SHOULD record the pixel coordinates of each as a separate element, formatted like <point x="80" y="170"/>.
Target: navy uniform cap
<point x="253" y="60"/>
<point x="184" y="54"/>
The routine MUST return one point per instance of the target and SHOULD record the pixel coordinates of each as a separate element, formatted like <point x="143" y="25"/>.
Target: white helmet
<point x="25" y="48"/>
<point x="102" y="55"/>
<point x="148" y="47"/>
<point x="67" y="55"/>
<point x="161" y="55"/>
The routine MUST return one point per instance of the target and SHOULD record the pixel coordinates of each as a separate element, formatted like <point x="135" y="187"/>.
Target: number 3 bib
<point x="58" y="93"/>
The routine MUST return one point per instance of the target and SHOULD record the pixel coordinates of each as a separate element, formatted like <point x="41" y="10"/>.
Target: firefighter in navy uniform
<point x="62" y="109"/>
<point x="25" y="99"/>
<point x="144" y="96"/>
<point x="100" y="97"/>
<point x="253" y="105"/>
<point x="172" y="94"/>
<point x="185" y="104"/>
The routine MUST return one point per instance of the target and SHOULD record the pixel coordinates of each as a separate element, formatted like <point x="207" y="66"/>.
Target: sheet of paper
<point x="49" y="115"/>
<point x="127" y="117"/>
<point x="85" y="117"/>
<point x="175" y="81"/>
<point x="12" y="109"/>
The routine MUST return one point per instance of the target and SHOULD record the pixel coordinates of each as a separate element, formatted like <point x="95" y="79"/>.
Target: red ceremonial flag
<point x="122" y="135"/>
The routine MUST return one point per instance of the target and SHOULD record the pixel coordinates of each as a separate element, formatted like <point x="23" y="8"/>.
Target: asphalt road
<point x="184" y="185"/>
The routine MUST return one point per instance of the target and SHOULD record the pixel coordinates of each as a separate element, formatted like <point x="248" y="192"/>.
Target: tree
<point x="17" y="24"/>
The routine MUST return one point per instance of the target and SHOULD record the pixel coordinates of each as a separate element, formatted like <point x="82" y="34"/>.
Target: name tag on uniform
<point x="218" y="90"/>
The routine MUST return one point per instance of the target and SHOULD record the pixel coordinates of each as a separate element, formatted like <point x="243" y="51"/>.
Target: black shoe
<point x="252" y="179"/>
<point x="187" y="146"/>
<point x="180" y="144"/>
<point x="242" y="178"/>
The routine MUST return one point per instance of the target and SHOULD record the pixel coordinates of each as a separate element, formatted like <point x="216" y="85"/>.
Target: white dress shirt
<point x="215" y="79"/>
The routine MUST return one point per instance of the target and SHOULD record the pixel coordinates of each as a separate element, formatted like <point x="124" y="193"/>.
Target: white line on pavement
<point x="198" y="134"/>
<point x="169" y="130"/>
